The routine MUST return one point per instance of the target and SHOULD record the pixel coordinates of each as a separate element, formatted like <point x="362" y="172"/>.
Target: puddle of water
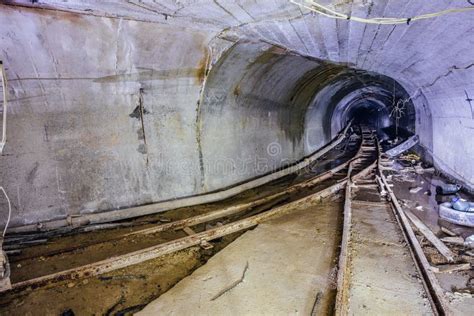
<point x="427" y="198"/>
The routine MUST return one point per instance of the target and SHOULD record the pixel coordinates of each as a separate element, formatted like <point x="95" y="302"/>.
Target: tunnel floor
<point x="286" y="265"/>
<point x="304" y="242"/>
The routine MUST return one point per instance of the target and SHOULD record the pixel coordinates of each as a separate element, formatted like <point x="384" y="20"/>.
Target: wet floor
<point x="458" y="285"/>
<point x="127" y="290"/>
<point x="425" y="202"/>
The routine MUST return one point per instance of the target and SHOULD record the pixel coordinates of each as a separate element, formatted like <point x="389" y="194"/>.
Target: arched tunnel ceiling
<point x="80" y="71"/>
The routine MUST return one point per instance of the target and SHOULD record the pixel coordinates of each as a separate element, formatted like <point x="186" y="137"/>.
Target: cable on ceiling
<point x="326" y="11"/>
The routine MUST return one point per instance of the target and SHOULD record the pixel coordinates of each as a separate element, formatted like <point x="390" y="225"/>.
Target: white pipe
<point x="5" y="96"/>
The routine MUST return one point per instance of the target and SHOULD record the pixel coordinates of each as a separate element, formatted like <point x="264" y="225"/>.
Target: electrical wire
<point x="325" y="11"/>
<point x="9" y="211"/>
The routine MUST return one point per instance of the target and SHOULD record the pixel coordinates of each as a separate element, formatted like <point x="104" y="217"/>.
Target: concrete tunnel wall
<point x="107" y="113"/>
<point x="77" y="141"/>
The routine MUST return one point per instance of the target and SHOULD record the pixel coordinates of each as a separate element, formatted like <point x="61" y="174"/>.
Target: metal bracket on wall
<point x="5" y="97"/>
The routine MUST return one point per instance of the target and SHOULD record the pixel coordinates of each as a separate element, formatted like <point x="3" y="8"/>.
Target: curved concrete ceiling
<point x="115" y="104"/>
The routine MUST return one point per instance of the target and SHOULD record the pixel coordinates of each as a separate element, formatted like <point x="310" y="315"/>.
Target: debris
<point x="210" y="226"/>
<point x="460" y="204"/>
<point x="447" y="189"/>
<point x="415" y="190"/>
<point x="70" y="285"/>
<point x="122" y="277"/>
<point x="447" y="231"/>
<point x="451" y="215"/>
<point x="5" y="283"/>
<point x="469" y="241"/>
<point x="448" y="268"/>
<point x="409" y="143"/>
<point x="420" y="169"/>
<point x="419" y="208"/>
<point x="68" y="312"/>
<point x="467" y="292"/>
<point x="453" y="240"/>
<point x="423" y="229"/>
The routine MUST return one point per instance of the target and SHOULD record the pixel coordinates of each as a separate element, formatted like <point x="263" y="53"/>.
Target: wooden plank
<point x="369" y="186"/>
<point x="448" y="268"/>
<point x="447" y="231"/>
<point x="422" y="228"/>
<point x="454" y="240"/>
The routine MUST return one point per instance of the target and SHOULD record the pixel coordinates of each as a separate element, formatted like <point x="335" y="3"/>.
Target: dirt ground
<point x="125" y="291"/>
<point x="119" y="293"/>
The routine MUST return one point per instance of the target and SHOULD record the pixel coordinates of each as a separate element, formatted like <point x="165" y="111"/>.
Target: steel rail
<point x="136" y="257"/>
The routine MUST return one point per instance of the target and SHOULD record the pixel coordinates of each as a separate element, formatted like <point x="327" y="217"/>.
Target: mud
<point x="131" y="288"/>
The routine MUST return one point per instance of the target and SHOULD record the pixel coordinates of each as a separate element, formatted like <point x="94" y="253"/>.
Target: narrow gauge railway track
<point x="362" y="204"/>
<point x="381" y="262"/>
<point x="240" y="217"/>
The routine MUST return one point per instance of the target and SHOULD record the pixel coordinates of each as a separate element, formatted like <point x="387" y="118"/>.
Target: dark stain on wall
<point x="201" y="70"/>
<point x="32" y="174"/>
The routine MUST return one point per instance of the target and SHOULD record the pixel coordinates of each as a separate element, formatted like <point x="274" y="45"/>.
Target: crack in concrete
<point x="233" y="285"/>
<point x="450" y="71"/>
<point x="469" y="100"/>
<point x="198" y="116"/>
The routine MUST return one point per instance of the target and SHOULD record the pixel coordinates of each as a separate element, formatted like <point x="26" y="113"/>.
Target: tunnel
<point x="264" y="95"/>
<point x="272" y="156"/>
